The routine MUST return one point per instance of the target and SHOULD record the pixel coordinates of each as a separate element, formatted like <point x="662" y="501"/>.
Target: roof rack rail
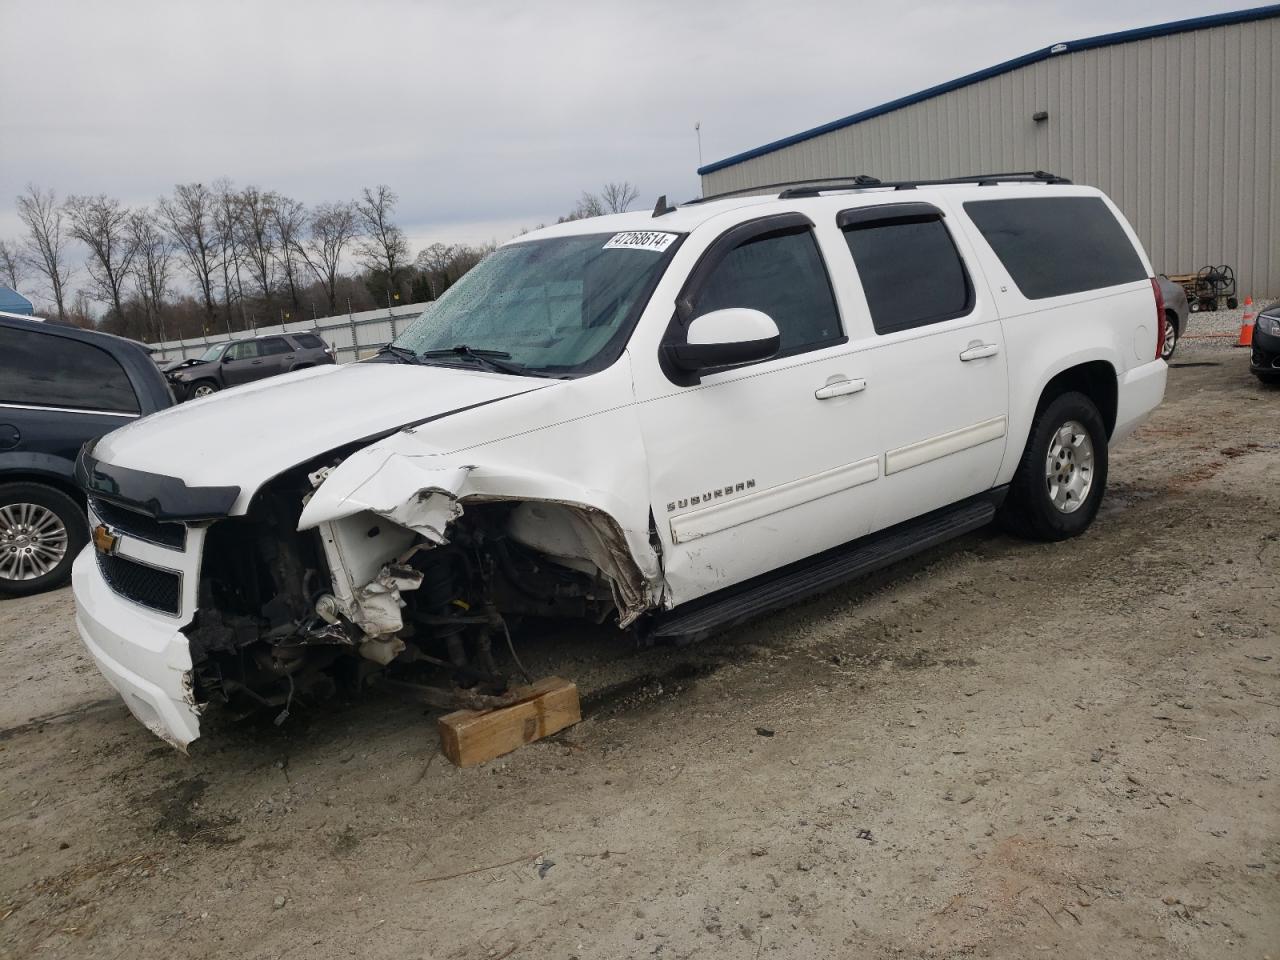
<point x="790" y="189"/>
<point x="810" y="189"/>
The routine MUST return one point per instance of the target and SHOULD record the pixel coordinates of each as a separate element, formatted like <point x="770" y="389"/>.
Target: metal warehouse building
<point x="1176" y="122"/>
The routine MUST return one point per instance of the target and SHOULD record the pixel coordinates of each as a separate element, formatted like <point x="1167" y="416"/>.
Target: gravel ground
<point x="998" y="749"/>
<point x="1217" y="330"/>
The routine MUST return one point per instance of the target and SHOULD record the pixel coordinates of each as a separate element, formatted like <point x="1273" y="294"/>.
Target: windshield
<point x="546" y="305"/>
<point x="211" y="353"/>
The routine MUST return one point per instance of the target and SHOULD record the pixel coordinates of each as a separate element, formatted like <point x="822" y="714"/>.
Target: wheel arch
<point x="1096" y="379"/>
<point x="33" y="473"/>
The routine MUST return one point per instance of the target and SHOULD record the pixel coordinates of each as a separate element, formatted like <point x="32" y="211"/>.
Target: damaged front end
<point x="338" y="575"/>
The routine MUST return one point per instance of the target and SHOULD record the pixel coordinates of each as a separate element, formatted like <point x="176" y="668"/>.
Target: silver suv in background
<point x="244" y="361"/>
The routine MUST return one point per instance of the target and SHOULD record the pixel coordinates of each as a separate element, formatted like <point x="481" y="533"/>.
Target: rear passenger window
<point x="781" y="274"/>
<point x="1053" y="246"/>
<point x="910" y="271"/>
<point x="308" y="340"/>
<point x="274" y="345"/>
<point x="46" y="370"/>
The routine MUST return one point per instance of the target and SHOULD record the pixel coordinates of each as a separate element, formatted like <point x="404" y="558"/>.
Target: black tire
<point x="1029" y="510"/>
<point x="210" y="385"/>
<point x="1170" y="337"/>
<point x="68" y="513"/>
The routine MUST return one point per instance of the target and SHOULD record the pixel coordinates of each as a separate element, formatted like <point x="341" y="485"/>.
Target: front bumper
<point x="1138" y="392"/>
<point x="141" y="653"/>
<point x="181" y="389"/>
<point x="1264" y="357"/>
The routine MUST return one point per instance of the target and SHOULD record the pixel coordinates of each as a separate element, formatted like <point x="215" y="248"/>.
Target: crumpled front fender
<point x="427" y="493"/>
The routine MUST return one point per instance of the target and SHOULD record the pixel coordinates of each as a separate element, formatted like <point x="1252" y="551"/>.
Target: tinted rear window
<point x="910" y="272"/>
<point x="1053" y="246"/>
<point x="309" y="340"/>
<point x="45" y="370"/>
<point x="273" y="345"/>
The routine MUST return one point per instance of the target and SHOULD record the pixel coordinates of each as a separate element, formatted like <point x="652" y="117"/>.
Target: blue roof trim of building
<point x="1057" y="49"/>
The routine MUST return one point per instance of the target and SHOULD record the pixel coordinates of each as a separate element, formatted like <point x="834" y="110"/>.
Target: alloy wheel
<point x="33" y="541"/>
<point x="1068" y="467"/>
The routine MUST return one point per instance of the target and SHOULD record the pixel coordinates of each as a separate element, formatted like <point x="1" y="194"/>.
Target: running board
<point x="790" y="584"/>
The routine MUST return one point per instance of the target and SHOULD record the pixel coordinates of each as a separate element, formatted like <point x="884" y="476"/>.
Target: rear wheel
<point x="1170" y="338"/>
<point x="1060" y="481"/>
<point x="41" y="531"/>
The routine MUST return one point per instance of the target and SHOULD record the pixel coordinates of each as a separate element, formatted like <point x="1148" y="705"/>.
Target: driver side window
<point x="783" y="275"/>
<point x="242" y="350"/>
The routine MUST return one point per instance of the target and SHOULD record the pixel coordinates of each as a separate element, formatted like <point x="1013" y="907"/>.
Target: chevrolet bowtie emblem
<point x="104" y="540"/>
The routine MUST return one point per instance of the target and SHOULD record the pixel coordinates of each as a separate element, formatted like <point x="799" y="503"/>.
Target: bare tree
<point x="11" y="266"/>
<point x="254" y="217"/>
<point x="188" y="219"/>
<point x="330" y="232"/>
<point x="441" y="265"/>
<point x="153" y="259"/>
<point x="288" y="221"/>
<point x="101" y="223"/>
<point x="46" y="243"/>
<point x="225" y="227"/>
<point x="384" y="250"/>
<point x="616" y="197"/>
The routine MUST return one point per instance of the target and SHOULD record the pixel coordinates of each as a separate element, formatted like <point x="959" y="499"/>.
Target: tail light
<point x="1160" y="318"/>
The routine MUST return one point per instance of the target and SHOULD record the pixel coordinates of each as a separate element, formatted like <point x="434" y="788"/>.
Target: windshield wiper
<point x="493" y="359"/>
<point x="403" y="354"/>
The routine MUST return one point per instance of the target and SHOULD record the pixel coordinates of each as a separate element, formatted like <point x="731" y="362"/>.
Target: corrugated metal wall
<point x="1179" y="130"/>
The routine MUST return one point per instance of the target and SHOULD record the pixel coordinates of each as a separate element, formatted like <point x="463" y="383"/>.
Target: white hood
<point x="247" y="435"/>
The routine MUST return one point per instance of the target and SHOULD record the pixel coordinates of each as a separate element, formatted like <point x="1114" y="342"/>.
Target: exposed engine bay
<point x="288" y="616"/>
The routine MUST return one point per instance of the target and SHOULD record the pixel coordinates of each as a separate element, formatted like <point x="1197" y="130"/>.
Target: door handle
<point x="841" y="388"/>
<point x="979" y="351"/>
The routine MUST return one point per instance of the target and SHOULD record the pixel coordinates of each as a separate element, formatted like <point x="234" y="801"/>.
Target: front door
<point x="762" y="464"/>
<point x="242" y="363"/>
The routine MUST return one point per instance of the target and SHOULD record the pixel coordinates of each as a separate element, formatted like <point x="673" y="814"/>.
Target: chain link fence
<point x="353" y="336"/>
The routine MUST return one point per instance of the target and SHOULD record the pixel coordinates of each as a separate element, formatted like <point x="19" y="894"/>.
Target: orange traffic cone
<point x="1246" y="325"/>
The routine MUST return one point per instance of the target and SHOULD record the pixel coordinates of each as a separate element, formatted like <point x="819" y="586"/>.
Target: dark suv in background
<point x="243" y="361"/>
<point x="59" y="387"/>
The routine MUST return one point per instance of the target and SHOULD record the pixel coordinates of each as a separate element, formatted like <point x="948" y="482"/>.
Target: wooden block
<point x="548" y="706"/>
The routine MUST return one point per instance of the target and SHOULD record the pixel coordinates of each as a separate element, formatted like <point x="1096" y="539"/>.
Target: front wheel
<point x="203" y="388"/>
<point x="1060" y="481"/>
<point x="41" y="531"/>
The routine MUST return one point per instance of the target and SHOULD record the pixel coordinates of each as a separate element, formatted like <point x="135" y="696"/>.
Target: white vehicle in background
<point x="670" y="422"/>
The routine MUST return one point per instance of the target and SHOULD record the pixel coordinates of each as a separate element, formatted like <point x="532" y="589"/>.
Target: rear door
<point x="55" y="393"/>
<point x="278" y="354"/>
<point x="941" y="386"/>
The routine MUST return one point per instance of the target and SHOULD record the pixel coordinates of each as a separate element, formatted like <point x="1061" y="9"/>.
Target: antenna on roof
<point x="660" y="208"/>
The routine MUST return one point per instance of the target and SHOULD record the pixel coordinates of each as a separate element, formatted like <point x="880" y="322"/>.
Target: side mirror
<point x="726" y="337"/>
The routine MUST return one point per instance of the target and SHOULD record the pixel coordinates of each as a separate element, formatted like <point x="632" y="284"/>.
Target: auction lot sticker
<point x="640" y="240"/>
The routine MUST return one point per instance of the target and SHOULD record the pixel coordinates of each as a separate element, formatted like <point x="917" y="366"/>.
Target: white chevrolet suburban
<point x="670" y="422"/>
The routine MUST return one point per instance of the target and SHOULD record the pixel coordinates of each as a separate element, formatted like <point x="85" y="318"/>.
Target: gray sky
<point x="484" y="117"/>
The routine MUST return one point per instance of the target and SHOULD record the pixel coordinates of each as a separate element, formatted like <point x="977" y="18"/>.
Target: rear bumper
<point x="141" y="654"/>
<point x="1138" y="392"/>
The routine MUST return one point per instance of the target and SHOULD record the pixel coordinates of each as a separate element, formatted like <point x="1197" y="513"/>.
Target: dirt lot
<point x="999" y="749"/>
